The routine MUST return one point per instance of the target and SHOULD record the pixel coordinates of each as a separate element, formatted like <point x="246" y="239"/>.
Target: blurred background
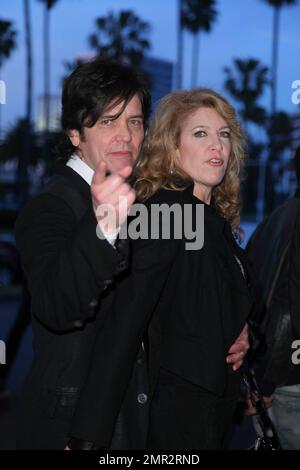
<point x="246" y="50"/>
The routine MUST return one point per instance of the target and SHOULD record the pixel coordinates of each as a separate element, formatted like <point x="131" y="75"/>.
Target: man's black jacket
<point x="71" y="275"/>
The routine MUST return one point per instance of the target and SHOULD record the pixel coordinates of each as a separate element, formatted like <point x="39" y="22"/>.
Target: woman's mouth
<point x="215" y="162"/>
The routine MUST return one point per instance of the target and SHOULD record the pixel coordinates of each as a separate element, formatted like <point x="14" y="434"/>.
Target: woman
<point x="195" y="146"/>
<point x="195" y="300"/>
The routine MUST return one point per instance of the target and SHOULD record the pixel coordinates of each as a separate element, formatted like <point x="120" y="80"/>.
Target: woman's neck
<point x="202" y="192"/>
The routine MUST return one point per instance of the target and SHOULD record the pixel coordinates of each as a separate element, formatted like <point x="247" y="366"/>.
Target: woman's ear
<point x="74" y="137"/>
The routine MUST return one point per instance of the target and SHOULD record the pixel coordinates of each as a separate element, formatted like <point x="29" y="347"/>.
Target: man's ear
<point x="74" y="137"/>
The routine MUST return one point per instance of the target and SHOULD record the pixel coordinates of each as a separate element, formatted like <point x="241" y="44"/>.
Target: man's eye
<point x="136" y="122"/>
<point x="106" y="122"/>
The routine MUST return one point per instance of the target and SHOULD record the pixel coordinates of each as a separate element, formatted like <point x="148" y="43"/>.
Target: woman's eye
<point x="225" y="134"/>
<point x="200" y="134"/>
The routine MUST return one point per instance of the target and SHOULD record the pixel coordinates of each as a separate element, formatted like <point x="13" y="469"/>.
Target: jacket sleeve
<point x="67" y="266"/>
<point x="118" y="341"/>
<point x="294" y="279"/>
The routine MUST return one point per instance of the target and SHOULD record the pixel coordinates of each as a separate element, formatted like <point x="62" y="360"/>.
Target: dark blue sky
<point x="243" y="29"/>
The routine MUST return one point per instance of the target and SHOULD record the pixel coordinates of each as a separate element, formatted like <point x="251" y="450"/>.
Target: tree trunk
<point x="0" y="111"/>
<point x="274" y="59"/>
<point x="179" y="48"/>
<point x="22" y="175"/>
<point x="47" y="66"/>
<point x="195" y="60"/>
<point x="273" y="139"/>
<point x="28" y="61"/>
<point x="46" y="87"/>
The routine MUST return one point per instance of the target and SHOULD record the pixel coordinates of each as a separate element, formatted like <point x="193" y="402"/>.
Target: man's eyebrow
<point x="136" y="116"/>
<point x="115" y="116"/>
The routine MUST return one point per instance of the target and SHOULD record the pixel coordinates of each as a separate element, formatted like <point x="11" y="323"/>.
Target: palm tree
<point x="179" y="46"/>
<point x="7" y="45"/>
<point x="12" y="145"/>
<point x="277" y="5"/>
<point x="121" y="36"/>
<point x="246" y="82"/>
<point x="28" y="42"/>
<point x="49" y="4"/>
<point x="7" y="40"/>
<point x="26" y="129"/>
<point x="197" y="16"/>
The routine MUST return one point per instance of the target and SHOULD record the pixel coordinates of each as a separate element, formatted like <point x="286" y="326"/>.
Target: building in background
<point x="54" y="118"/>
<point x="160" y="73"/>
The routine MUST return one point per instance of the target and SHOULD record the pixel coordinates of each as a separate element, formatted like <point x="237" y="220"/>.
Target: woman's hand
<point x="238" y="350"/>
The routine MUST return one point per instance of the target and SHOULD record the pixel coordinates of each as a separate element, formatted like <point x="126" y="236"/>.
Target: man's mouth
<point x="121" y="153"/>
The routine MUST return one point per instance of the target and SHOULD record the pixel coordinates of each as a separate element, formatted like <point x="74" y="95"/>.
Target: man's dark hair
<point x="297" y="164"/>
<point x="92" y="89"/>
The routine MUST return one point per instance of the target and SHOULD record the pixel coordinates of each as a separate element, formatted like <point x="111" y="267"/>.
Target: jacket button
<point x="106" y="283"/>
<point x="140" y="361"/>
<point x="122" y="265"/>
<point x="93" y="303"/>
<point x="142" y="398"/>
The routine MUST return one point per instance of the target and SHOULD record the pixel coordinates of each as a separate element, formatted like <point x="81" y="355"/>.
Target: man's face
<point x="114" y="141"/>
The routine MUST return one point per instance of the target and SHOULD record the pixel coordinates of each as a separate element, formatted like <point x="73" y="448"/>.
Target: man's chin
<point x="116" y="166"/>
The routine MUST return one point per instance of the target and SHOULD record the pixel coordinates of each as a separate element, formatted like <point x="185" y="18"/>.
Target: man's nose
<point x="123" y="132"/>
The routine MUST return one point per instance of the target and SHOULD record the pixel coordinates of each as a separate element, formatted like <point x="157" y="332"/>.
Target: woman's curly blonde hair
<point x="158" y="166"/>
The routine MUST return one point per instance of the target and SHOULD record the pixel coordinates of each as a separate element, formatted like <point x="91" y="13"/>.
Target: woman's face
<point x="204" y="149"/>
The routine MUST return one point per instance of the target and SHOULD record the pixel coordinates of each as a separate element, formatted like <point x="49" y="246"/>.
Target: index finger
<point x="100" y="173"/>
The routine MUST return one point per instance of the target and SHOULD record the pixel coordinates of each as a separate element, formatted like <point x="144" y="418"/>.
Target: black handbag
<point x="269" y="439"/>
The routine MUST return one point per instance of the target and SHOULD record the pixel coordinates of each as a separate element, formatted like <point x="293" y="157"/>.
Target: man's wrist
<point x="109" y="235"/>
<point x="80" y="444"/>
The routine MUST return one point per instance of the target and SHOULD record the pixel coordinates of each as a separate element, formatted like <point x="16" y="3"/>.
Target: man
<point x="105" y="109"/>
<point x="274" y="249"/>
<point x="71" y="270"/>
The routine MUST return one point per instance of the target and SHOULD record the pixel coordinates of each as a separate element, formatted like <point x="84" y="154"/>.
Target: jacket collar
<point x="74" y="179"/>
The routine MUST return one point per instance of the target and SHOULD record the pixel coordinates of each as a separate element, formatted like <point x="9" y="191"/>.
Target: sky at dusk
<point x="243" y="29"/>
